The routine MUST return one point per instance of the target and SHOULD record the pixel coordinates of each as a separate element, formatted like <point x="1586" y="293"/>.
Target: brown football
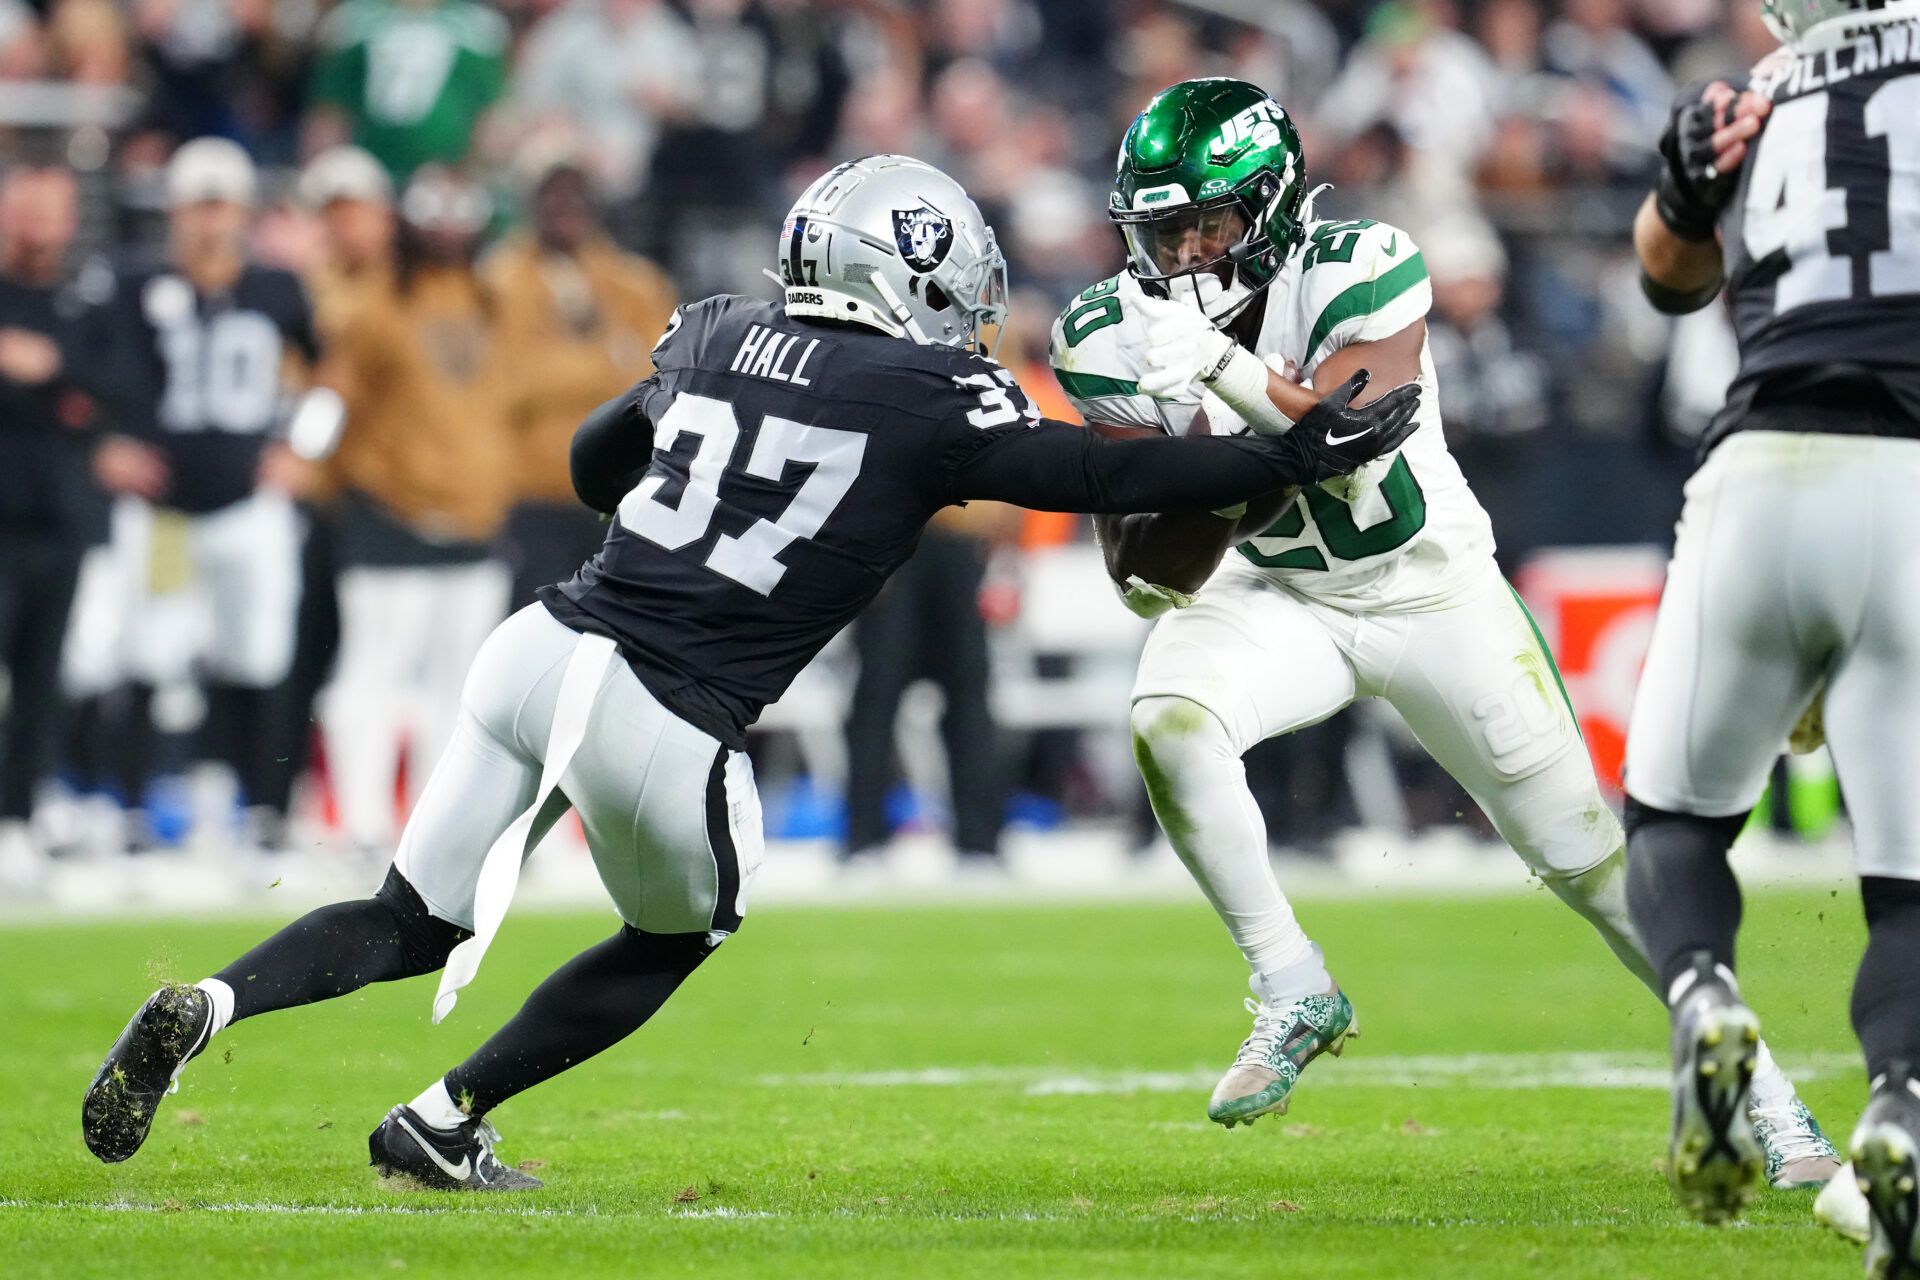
<point x="1178" y="549"/>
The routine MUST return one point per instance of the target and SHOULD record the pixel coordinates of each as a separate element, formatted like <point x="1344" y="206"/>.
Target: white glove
<point x="1182" y="347"/>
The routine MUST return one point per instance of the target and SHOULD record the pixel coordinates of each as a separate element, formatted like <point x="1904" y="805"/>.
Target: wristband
<point x="1240" y="380"/>
<point x="1676" y="302"/>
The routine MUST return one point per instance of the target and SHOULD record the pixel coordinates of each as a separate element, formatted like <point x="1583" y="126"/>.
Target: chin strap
<point x="901" y="316"/>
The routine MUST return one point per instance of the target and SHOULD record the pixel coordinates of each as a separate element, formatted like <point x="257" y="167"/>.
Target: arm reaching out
<point x="1184" y="346"/>
<point x="1057" y="467"/>
<point x="611" y="450"/>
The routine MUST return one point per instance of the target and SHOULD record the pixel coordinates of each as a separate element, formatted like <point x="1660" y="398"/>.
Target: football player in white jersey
<point x="1233" y="306"/>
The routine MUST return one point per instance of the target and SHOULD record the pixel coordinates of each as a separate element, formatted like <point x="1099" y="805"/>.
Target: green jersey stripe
<point x="1365" y="298"/>
<point x="1091" y="386"/>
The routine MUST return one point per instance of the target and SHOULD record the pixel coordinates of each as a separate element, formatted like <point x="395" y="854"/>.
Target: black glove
<point x="1333" y="438"/>
<point x="1690" y="192"/>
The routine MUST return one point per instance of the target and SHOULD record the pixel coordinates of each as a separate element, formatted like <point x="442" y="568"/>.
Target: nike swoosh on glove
<point x="1336" y="438"/>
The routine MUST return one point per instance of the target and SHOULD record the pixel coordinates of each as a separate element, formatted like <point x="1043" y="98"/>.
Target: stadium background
<point x="1511" y="138"/>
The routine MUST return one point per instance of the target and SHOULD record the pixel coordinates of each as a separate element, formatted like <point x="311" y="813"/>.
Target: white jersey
<point x="1412" y="532"/>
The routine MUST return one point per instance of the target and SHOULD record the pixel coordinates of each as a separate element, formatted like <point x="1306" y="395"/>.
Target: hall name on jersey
<point x="1870" y="50"/>
<point x="768" y="353"/>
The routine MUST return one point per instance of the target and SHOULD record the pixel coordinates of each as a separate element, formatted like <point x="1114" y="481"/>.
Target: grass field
<point x="1007" y="1091"/>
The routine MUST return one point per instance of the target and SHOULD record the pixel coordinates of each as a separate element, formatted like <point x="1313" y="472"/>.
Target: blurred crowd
<point x="485" y="213"/>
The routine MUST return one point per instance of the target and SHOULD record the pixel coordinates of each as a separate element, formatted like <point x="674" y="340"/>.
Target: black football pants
<point x="926" y="624"/>
<point x="37" y="580"/>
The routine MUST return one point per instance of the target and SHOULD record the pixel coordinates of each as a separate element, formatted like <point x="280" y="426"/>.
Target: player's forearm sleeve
<point x="610" y="449"/>
<point x="1057" y="467"/>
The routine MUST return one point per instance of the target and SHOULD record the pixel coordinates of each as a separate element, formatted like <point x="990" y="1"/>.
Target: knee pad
<point x="1638" y="816"/>
<point x="1555" y="819"/>
<point x="426" y="939"/>
<point x="1166" y="726"/>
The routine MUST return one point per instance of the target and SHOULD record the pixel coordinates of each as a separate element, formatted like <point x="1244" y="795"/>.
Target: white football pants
<point x="1794" y="569"/>
<point x="1252" y="659"/>
<point x="173" y="594"/>
<point x="407" y="637"/>
<point x="672" y="817"/>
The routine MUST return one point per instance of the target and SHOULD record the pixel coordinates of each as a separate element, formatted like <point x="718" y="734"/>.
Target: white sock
<point x="437" y="1107"/>
<point x="1599" y="894"/>
<point x="1772" y="1091"/>
<point x="222" y="997"/>
<point x="1199" y="790"/>
<point x="1304" y="977"/>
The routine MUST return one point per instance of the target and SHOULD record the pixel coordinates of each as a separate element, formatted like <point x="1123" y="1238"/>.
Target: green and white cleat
<point x="1799" y="1156"/>
<point x="1286" y="1037"/>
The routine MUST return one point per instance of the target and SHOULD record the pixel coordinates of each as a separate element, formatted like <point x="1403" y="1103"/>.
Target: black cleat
<point x="1714" y="1160"/>
<point x="457" y="1159"/>
<point x="1886" y="1160"/>
<point x="143" y="1067"/>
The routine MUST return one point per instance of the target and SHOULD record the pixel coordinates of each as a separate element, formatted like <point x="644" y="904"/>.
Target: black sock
<point x="594" y="1001"/>
<point x="1680" y="889"/>
<point x="339" y="949"/>
<point x="1886" y="994"/>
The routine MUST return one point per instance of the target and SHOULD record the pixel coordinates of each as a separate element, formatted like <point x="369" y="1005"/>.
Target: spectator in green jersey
<point x="409" y="80"/>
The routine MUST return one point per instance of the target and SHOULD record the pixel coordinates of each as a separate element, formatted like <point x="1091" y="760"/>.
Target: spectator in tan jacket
<point x="580" y="317"/>
<point x="424" y="468"/>
<point x="352" y="196"/>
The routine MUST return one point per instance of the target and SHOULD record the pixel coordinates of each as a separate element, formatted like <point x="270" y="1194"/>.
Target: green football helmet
<point x="1208" y="194"/>
<point x="1792" y="20"/>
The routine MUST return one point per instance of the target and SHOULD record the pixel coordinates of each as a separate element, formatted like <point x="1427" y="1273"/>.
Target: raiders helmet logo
<point x="923" y="235"/>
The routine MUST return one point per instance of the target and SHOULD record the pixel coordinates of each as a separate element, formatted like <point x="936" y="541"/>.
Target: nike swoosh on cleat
<point x="461" y="1171"/>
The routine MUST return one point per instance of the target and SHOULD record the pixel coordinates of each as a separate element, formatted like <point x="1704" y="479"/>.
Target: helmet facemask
<point x="1206" y="193"/>
<point x="975" y="293"/>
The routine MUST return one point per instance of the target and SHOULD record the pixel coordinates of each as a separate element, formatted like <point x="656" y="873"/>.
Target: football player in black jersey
<point x="763" y="483"/>
<point x="1790" y="597"/>
<point x="203" y="404"/>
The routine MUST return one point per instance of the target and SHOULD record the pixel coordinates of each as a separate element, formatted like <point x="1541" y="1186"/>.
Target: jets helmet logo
<point x="924" y="236"/>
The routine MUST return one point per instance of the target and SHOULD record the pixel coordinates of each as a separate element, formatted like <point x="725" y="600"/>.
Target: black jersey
<point x="199" y="377"/>
<point x="773" y="472"/>
<point x="1822" y="236"/>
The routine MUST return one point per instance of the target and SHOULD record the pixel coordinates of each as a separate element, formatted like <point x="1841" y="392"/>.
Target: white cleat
<point x="1841" y="1208"/>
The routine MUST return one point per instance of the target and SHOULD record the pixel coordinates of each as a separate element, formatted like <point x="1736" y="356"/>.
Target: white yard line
<point x="1406" y="1071"/>
<point x="721" y="1213"/>
<point x="375" y="1210"/>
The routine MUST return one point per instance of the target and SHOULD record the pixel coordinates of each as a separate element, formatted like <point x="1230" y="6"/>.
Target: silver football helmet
<point x="892" y="243"/>
<point x="1794" y="21"/>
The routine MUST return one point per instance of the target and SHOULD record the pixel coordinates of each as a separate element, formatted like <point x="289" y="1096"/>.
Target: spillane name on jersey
<point x="200" y="377"/>
<point x="1822" y="236"/>
<point x="794" y="466"/>
<point x="1407" y="532"/>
